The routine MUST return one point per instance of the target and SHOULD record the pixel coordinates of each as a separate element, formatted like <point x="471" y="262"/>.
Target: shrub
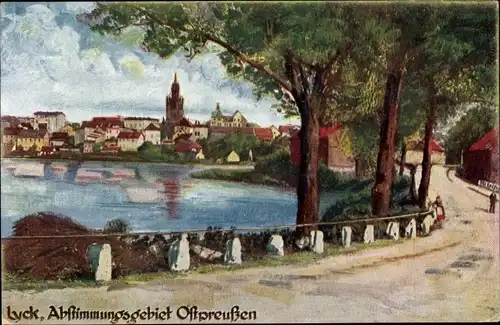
<point x="117" y="226"/>
<point x="277" y="162"/>
<point x="356" y="204"/>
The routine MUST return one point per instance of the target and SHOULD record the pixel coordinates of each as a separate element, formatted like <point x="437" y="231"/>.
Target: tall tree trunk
<point x="381" y="192"/>
<point x="307" y="184"/>
<point x="402" y="161"/>
<point x="423" y="189"/>
<point x="361" y="167"/>
<point x="413" y="185"/>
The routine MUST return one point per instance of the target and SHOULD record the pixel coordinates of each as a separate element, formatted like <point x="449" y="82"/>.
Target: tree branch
<point x="228" y="47"/>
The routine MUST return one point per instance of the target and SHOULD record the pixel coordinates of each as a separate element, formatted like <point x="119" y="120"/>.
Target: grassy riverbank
<point x="10" y="283"/>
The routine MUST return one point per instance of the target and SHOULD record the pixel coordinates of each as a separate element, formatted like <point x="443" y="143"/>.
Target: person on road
<point x="439" y="209"/>
<point x="493" y="202"/>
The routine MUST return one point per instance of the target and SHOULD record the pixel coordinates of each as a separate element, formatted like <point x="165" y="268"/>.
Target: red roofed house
<point x="187" y="146"/>
<point x="414" y="153"/>
<point x="194" y="129"/>
<point x="330" y="152"/>
<point x="481" y="161"/>
<point x="288" y="130"/>
<point x="110" y="149"/>
<point x="264" y="134"/>
<point x="130" y="141"/>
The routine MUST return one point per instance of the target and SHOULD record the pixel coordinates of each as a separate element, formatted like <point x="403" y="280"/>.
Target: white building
<point x="130" y="141"/>
<point x="139" y="123"/>
<point x="112" y="131"/>
<point x="152" y="134"/>
<point x="55" y="120"/>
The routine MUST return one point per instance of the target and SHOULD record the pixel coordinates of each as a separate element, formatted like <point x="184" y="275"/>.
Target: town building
<point x="287" y="131"/>
<point x="112" y="131"/>
<point x="152" y="133"/>
<point x="139" y="123"/>
<point x="174" y="109"/>
<point x="130" y="141"/>
<point x="415" y="152"/>
<point x="330" y="150"/>
<point x="237" y="120"/>
<point x="55" y="120"/>
<point x="27" y="139"/>
<point x="219" y="132"/>
<point x="68" y="129"/>
<point x="481" y="160"/>
<point x="193" y="129"/>
<point x="264" y="134"/>
<point x="88" y="146"/>
<point x="59" y="140"/>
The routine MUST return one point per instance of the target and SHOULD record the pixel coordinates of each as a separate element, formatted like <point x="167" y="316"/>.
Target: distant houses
<point x="118" y="133"/>
<point x="415" y="151"/>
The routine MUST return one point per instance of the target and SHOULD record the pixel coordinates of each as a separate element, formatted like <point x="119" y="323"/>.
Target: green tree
<point x="97" y="147"/>
<point x="452" y="70"/>
<point x="293" y="51"/>
<point x="469" y="129"/>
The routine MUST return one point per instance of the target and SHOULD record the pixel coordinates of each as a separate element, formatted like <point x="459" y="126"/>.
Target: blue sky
<point x="50" y="61"/>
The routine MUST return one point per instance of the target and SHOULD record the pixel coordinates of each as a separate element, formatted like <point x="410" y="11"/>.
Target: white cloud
<point x="51" y="61"/>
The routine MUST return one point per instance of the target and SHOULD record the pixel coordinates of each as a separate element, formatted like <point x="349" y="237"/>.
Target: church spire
<point x="175" y="77"/>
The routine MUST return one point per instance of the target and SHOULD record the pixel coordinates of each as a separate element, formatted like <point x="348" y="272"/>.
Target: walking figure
<point x="439" y="209"/>
<point x="493" y="202"/>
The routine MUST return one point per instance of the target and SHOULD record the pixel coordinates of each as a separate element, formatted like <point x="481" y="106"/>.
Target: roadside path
<point x="453" y="275"/>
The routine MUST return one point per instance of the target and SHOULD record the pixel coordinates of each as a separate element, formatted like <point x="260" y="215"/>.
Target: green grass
<point x="298" y="259"/>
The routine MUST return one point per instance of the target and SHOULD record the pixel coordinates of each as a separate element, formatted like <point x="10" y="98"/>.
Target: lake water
<point x="152" y="197"/>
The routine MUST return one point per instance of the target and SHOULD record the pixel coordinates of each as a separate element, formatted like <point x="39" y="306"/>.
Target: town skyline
<point x="86" y="75"/>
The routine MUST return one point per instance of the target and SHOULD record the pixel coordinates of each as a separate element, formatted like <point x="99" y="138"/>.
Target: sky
<point x="50" y="61"/>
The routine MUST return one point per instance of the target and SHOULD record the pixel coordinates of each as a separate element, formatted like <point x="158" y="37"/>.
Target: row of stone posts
<point x="99" y="256"/>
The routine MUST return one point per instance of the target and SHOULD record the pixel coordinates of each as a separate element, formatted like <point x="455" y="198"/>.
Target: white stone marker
<point x="178" y="254"/>
<point x="411" y="229"/>
<point x="276" y="246"/>
<point x="233" y="251"/>
<point x="303" y="242"/>
<point x="346" y="236"/>
<point x="426" y="224"/>
<point x="393" y="230"/>
<point x="369" y="235"/>
<point x="317" y="244"/>
<point x="100" y="260"/>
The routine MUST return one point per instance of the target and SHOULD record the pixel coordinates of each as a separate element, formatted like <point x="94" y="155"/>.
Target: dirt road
<point x="453" y="275"/>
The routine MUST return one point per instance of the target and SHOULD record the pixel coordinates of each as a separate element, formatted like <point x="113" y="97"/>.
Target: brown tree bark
<point x="307" y="183"/>
<point x="423" y="189"/>
<point x="413" y="185"/>
<point x="310" y="101"/>
<point x="381" y="192"/>
<point x="402" y="161"/>
<point x="361" y="167"/>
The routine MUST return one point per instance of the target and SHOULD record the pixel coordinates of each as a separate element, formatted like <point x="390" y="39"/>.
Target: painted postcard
<point x="249" y="162"/>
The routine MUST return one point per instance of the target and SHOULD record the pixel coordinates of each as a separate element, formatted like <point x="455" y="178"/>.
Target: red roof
<point x="186" y="146"/>
<point x="135" y="118"/>
<point x="264" y="134"/>
<point x="324" y="131"/>
<point x="47" y="149"/>
<point x="129" y="135"/>
<point x="107" y="119"/>
<point x="488" y="142"/>
<point x="12" y="131"/>
<point x="419" y="146"/>
<point x="227" y="129"/>
<point x="111" y="148"/>
<point x="60" y="135"/>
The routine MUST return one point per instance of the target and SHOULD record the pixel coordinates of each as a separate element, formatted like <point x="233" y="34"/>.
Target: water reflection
<point x="172" y="192"/>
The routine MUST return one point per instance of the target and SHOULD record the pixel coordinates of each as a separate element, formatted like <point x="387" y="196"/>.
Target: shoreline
<point x="187" y="164"/>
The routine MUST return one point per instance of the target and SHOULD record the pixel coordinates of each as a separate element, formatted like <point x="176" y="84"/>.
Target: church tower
<point x="174" y="107"/>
